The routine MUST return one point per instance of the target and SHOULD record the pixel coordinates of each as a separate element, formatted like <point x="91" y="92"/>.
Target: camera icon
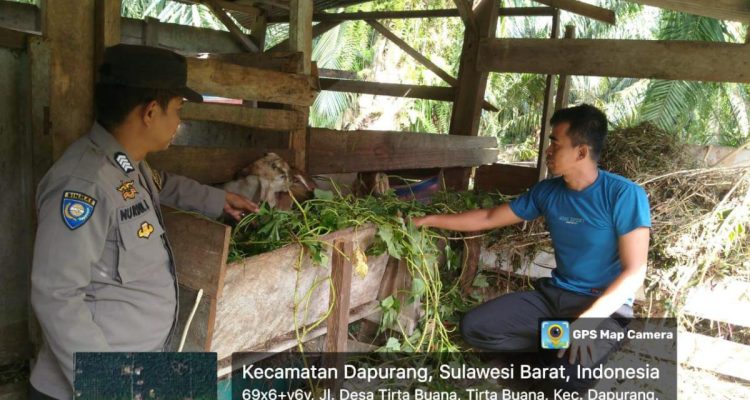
<point x="555" y="334"/>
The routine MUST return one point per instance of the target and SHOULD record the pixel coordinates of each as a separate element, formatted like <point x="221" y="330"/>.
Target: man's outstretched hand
<point x="237" y="206"/>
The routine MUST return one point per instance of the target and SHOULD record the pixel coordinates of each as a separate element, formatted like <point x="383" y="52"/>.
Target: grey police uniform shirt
<point x="103" y="276"/>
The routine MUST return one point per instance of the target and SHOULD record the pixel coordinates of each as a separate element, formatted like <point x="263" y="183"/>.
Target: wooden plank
<point x="235" y="30"/>
<point x="563" y="81"/>
<point x="13" y="39"/>
<point x="106" y="26"/>
<point x="547" y="110"/>
<point x="72" y="70"/>
<point x="225" y="79"/>
<point x="276" y="61"/>
<point x="246" y="9"/>
<point x="288" y="341"/>
<point x="208" y="165"/>
<point x="317" y="30"/>
<point x="272" y="294"/>
<point x="300" y="30"/>
<point x="732" y="295"/>
<point x="421" y="59"/>
<point x="336" y="151"/>
<point x="467" y="14"/>
<point x="732" y="10"/>
<point x="263" y="118"/>
<point x="712" y="354"/>
<point x="200" y="247"/>
<point x="340" y="296"/>
<point x="440" y="13"/>
<point x="471" y="87"/>
<point x="651" y="59"/>
<point x="201" y="329"/>
<point x="508" y="179"/>
<point x="336" y="73"/>
<point x="581" y="8"/>
<point x="388" y="89"/>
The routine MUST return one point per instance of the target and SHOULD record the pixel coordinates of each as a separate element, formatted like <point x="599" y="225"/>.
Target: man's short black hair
<point x="114" y="102"/>
<point x="588" y="125"/>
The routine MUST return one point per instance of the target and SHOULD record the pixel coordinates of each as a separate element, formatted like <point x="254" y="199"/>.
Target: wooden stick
<point x="547" y="111"/>
<point x="585" y="9"/>
<point x="235" y="30"/>
<point x="420" y="58"/>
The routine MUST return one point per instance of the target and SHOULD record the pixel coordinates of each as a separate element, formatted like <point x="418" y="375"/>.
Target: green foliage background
<point x="700" y="113"/>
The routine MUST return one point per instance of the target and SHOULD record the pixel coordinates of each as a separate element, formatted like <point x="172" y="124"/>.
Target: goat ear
<point x="244" y="172"/>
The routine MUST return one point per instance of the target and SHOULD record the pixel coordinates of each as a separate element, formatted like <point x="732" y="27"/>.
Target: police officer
<point x="103" y="275"/>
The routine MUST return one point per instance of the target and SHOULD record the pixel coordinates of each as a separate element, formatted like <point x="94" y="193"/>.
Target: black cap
<point x="146" y="67"/>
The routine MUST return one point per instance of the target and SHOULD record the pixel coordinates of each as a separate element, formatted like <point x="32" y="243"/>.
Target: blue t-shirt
<point x="585" y="227"/>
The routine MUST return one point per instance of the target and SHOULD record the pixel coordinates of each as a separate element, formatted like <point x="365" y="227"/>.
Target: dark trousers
<point x="37" y="395"/>
<point x="510" y="323"/>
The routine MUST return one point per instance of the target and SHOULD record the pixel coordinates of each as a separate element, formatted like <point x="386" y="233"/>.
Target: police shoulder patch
<point x="76" y="208"/>
<point x="124" y="162"/>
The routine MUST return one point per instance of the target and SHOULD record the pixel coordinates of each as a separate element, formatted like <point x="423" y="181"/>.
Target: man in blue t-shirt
<point x="599" y="223"/>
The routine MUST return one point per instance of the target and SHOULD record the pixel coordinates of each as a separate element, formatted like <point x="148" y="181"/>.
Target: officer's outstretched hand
<point x="237" y="206"/>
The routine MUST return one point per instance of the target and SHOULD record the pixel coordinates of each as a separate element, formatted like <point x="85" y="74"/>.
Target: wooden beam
<point x="262" y="118"/>
<point x="246" y="9"/>
<point x="215" y="77"/>
<point x="714" y="354"/>
<point x="13" y="39"/>
<point x="206" y="164"/>
<point x="651" y="59"/>
<point x="276" y="61"/>
<point x="732" y="10"/>
<point x="388" y="89"/>
<point x="563" y="82"/>
<point x="317" y="30"/>
<point x="332" y="151"/>
<point x="71" y="108"/>
<point x="336" y="74"/>
<point x="506" y="178"/>
<point x="467" y="14"/>
<point x="235" y="30"/>
<point x="467" y="105"/>
<point x="420" y="58"/>
<point x="581" y="8"/>
<point x="441" y="13"/>
<point x="547" y="110"/>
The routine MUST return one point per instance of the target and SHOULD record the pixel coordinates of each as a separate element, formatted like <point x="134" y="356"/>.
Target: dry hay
<point x="699" y="214"/>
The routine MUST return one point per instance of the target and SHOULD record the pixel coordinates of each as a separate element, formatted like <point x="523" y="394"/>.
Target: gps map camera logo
<point x="555" y="334"/>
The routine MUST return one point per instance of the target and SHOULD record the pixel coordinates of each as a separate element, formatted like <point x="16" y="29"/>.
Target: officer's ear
<point x="150" y="111"/>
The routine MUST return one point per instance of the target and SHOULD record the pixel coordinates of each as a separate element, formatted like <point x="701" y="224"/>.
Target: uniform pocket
<point x="142" y="253"/>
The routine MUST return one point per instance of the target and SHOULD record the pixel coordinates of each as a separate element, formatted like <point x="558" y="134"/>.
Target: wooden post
<point x="258" y="31"/>
<point x="563" y="82"/>
<point x="151" y="31"/>
<point x="300" y="40"/>
<point x="71" y="103"/>
<point x="107" y="26"/>
<point x="338" y="320"/>
<point x="467" y="106"/>
<point x="549" y="94"/>
<point x="472" y="251"/>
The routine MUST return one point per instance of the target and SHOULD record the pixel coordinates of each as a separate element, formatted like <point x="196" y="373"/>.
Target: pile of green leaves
<point x="270" y="229"/>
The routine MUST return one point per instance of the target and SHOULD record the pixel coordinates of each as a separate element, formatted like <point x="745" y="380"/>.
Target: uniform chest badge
<point x="128" y="190"/>
<point x="145" y="231"/>
<point x="156" y="178"/>
<point x="124" y="162"/>
<point x="76" y="209"/>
